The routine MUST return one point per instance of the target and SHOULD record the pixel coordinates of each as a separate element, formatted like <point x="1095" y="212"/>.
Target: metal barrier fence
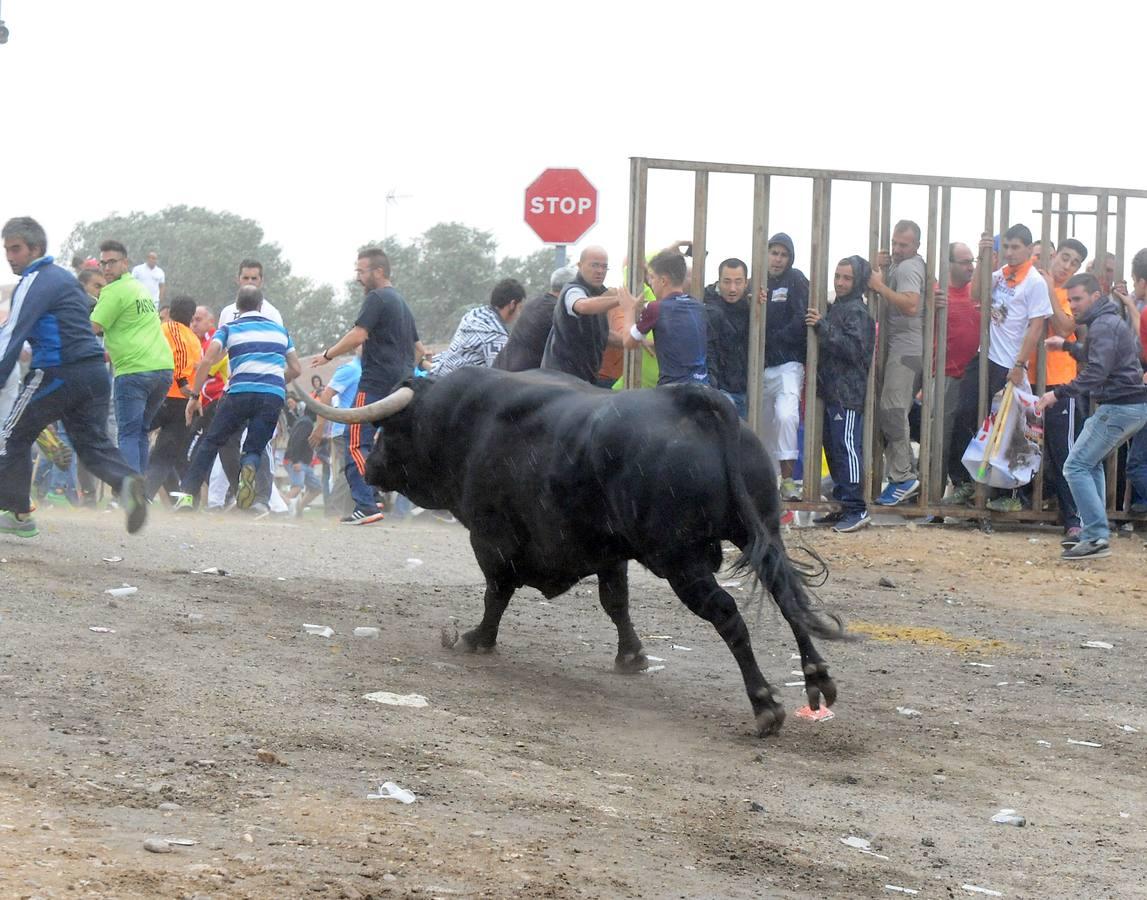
<point x="935" y="242"/>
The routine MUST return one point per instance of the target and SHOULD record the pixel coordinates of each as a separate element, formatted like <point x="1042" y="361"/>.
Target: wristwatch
<point x="324" y="355"/>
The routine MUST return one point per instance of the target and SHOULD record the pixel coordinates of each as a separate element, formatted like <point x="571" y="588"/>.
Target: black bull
<point x="557" y="480"/>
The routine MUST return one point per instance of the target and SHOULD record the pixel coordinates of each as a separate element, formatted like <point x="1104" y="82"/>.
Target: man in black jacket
<point x="727" y="308"/>
<point x="1113" y="376"/>
<point x="847" y="337"/>
<point x="580" y="330"/>
<point x="785" y="299"/>
<point x="528" y="336"/>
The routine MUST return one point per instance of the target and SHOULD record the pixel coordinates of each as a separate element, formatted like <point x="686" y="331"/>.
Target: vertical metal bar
<point x="870" y="431"/>
<point x="882" y="244"/>
<point x="1041" y="348"/>
<point x="700" y="227"/>
<point x="939" y="446"/>
<point x="1064" y="199"/>
<point x="985" y="273"/>
<point x="818" y="299"/>
<point x="757" y="311"/>
<point x="638" y="194"/>
<point x="1101" y="254"/>
<point x="928" y="298"/>
<point x="1120" y="236"/>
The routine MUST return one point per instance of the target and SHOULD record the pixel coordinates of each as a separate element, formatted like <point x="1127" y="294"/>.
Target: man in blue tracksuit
<point x="66" y="381"/>
<point x="847" y="336"/>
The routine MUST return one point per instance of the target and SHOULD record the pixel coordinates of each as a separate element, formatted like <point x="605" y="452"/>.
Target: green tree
<point x="533" y="271"/>
<point x="200" y="250"/>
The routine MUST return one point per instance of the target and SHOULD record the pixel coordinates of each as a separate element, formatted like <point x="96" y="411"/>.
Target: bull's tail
<point x="764" y="555"/>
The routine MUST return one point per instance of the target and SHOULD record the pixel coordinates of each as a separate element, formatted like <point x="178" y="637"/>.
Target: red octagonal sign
<point x="561" y="206"/>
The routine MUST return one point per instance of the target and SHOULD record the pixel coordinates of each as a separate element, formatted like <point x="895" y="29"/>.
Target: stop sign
<point x="561" y="206"/>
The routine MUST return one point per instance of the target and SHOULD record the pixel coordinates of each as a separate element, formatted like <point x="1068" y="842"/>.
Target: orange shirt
<point x="187" y="352"/>
<point x="1061" y="368"/>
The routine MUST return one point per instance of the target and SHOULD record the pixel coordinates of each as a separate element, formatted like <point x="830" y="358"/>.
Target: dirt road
<point x="537" y="771"/>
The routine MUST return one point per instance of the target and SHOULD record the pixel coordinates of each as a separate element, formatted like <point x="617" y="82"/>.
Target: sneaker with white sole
<point x="359" y="517"/>
<point x="899" y="491"/>
<point x="12" y="524"/>
<point x="962" y="495"/>
<point x="1087" y="550"/>
<point x="853" y="521"/>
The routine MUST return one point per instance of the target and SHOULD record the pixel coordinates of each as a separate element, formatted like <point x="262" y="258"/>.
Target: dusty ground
<point x="538" y="772"/>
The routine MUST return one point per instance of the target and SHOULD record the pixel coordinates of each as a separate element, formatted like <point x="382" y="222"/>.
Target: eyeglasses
<point x="104" y="263"/>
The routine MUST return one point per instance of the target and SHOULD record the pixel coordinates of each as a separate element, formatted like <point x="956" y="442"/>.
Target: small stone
<point x="247" y="839"/>
<point x="887" y="582"/>
<point x="389" y="877"/>
<point x="169" y="807"/>
<point x="756" y="807"/>
<point x="270" y="757"/>
<point x="477" y="834"/>
<point x="45" y="827"/>
<point x="157" y="845"/>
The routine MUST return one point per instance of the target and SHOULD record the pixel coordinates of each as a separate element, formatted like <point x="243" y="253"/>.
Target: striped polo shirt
<point x="256" y="353"/>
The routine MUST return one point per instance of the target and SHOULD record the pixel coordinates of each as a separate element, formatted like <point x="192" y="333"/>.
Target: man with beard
<point x="847" y="337"/>
<point x="727" y="309"/>
<point x="786" y="338"/>
<point x="580" y="330"/>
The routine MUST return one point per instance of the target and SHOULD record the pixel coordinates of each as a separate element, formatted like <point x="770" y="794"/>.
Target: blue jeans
<point x="256" y="411"/>
<point x="1137" y="468"/>
<point x="1109" y="427"/>
<point x="138" y="398"/>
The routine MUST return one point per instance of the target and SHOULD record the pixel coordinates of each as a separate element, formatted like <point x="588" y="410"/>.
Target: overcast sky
<point x="303" y="116"/>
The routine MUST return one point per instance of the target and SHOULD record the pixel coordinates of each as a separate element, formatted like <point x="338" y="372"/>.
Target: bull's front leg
<point x="613" y="591"/>
<point x="484" y="638"/>
<point x="698" y="590"/>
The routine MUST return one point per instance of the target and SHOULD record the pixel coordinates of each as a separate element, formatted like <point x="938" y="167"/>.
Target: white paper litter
<point x="112" y="558"/>
<point x="973" y="889"/>
<point x="900" y="890"/>
<point x="181" y="842"/>
<point x="126" y="591"/>
<point x="320" y="630"/>
<point x="99" y="629"/>
<point x="980" y="665"/>
<point x="908" y="711"/>
<point x="1129" y="729"/>
<point x="1097" y="645"/>
<point x="648" y="669"/>
<point x="1083" y="743"/>
<point x="859" y="843"/>
<point x="414" y="700"/>
<point x="678" y="647"/>
<point x="412" y="563"/>
<point x="388" y="790"/>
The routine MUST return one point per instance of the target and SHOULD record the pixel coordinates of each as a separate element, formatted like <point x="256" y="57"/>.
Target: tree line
<point x="443" y="272"/>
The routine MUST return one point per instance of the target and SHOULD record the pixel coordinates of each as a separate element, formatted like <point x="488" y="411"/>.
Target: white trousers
<point x="781" y="409"/>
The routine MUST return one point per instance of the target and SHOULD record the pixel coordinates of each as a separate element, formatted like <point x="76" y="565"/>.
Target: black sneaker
<point x="829" y="518"/>
<point x="853" y="522"/>
<point x="1087" y="550"/>
<point x="361" y="517"/>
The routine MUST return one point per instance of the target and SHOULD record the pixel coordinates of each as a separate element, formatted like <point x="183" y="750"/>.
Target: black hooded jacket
<point x="847" y="337"/>
<point x="786" y="336"/>
<point x="1110" y="358"/>
<point x="728" y="352"/>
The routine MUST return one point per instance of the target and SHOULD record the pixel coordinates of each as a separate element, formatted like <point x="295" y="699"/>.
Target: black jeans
<point x="77" y="394"/>
<point x="168" y="458"/>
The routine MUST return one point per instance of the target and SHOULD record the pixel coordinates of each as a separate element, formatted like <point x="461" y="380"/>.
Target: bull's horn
<point x="372" y="412"/>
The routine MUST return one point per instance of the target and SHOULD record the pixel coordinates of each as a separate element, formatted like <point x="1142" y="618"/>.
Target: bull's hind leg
<point x="698" y="590"/>
<point x="484" y="638"/>
<point x="613" y="591"/>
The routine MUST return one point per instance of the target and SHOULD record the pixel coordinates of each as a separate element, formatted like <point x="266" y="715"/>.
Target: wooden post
<point x="757" y="311"/>
<point x="1101" y="206"/>
<point x="939" y="445"/>
<point x="872" y="451"/>
<point x="818" y="299"/>
<point x="638" y="193"/>
<point x="928" y="405"/>
<point x="700" y="227"/>
<point x="985" y="273"/>
<point x="1041" y="348"/>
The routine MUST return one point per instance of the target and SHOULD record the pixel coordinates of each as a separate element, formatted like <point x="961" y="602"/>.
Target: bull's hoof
<point x="819" y="685"/>
<point x="770" y="715"/>
<point x="630" y="663"/>
<point x="472" y="642"/>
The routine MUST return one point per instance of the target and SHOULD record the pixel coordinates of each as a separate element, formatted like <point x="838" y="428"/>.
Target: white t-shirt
<point x="150" y="278"/>
<point x="230" y="312"/>
<point x="1012" y="309"/>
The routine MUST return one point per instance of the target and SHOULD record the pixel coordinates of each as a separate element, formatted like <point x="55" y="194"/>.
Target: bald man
<point x="580" y="330"/>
